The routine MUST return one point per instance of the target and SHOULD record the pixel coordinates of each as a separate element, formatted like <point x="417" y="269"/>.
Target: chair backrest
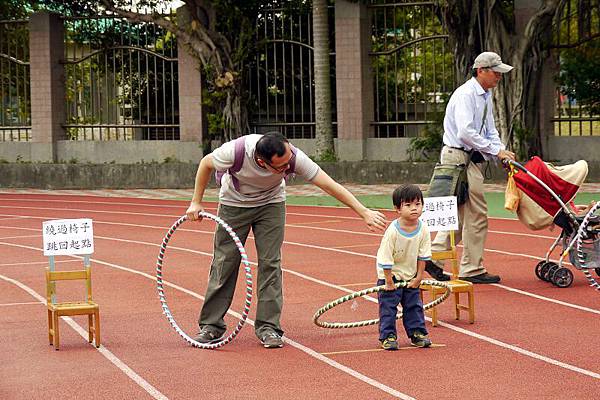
<point x="54" y="276"/>
<point x="451" y="254"/>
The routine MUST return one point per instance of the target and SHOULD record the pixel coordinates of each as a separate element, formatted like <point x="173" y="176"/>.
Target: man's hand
<point x="506" y="155"/>
<point x="390" y="286"/>
<point x="193" y="210"/>
<point x="374" y="220"/>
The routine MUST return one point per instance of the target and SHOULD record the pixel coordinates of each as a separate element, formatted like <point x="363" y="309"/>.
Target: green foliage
<point x="580" y="75"/>
<point x="524" y="141"/>
<point x="328" y="156"/>
<point x="170" y="159"/>
<point x="428" y="144"/>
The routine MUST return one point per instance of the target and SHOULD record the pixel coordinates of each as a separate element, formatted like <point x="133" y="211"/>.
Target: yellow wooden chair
<point x="456" y="285"/>
<point x="56" y="310"/>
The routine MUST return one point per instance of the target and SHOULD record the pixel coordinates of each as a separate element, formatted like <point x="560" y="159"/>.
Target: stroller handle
<point x="506" y="162"/>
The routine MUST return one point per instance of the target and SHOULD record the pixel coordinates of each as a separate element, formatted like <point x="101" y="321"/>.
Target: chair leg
<point x="50" y="327"/>
<point x="456" y="308"/>
<point x="471" y="297"/>
<point x="55" y="320"/>
<point x="433" y="309"/>
<point x="97" y="326"/>
<point x="90" y="328"/>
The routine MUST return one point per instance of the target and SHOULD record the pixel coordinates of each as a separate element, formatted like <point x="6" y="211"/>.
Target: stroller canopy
<point x="537" y="207"/>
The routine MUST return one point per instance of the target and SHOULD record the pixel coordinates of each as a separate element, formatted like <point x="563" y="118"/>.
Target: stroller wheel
<point x="562" y="277"/>
<point x="538" y="269"/>
<point x="546" y="269"/>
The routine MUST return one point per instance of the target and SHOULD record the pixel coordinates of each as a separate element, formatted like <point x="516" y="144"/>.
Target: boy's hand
<point x="390" y="286"/>
<point x="414" y="283"/>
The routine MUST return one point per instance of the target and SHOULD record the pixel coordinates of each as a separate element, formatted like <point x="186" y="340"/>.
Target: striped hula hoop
<point x="579" y="248"/>
<point x="161" y="293"/>
<point x="374" y="289"/>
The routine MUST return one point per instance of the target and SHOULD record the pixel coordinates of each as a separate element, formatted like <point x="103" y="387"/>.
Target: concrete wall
<point x="181" y="175"/>
<point x="568" y="149"/>
<point x="98" y="152"/>
<point x="375" y="149"/>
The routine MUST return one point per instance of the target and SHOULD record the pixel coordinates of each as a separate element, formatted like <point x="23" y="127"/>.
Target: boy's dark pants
<point x="413" y="316"/>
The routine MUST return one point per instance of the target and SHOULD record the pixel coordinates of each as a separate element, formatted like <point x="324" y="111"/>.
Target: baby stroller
<point x="546" y="193"/>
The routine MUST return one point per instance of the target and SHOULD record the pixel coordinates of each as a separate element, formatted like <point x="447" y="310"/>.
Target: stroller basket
<point x="591" y="253"/>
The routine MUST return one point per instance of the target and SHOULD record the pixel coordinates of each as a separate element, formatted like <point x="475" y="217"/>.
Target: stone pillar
<point x="354" y="80"/>
<point x="191" y="128"/>
<point x="46" y="49"/>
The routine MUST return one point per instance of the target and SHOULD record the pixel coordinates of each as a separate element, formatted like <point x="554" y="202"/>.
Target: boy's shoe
<point x="419" y="339"/>
<point x="436" y="272"/>
<point x="207" y="335"/>
<point x="390" y="343"/>
<point x="271" y="340"/>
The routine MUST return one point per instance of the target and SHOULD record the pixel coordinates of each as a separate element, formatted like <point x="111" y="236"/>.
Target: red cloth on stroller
<point x="537" y="207"/>
<point x="565" y="190"/>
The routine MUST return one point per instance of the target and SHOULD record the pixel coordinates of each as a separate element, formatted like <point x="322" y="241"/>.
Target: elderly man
<point x="471" y="137"/>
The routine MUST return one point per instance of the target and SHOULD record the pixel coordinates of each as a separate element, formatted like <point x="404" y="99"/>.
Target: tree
<point x="580" y="75"/>
<point x="491" y="25"/>
<point x="323" y="127"/>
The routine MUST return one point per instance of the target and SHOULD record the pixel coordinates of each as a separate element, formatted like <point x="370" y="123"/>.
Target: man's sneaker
<point x="419" y="339"/>
<point x="390" y="343"/>
<point x="482" y="278"/>
<point x="207" y="335"/>
<point x="436" y="272"/>
<point x="271" y="340"/>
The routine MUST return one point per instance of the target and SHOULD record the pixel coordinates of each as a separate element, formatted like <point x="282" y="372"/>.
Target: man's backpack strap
<point x="238" y="161"/>
<point x="292" y="169"/>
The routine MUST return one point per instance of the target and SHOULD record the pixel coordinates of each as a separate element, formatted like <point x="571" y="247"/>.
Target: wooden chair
<point x="56" y="310"/>
<point x="457" y="286"/>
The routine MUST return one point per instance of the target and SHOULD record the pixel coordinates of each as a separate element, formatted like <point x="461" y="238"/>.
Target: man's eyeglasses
<point x="281" y="168"/>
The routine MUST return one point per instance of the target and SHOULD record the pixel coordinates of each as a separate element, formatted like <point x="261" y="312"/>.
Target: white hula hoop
<point x="374" y="289"/>
<point x="579" y="247"/>
<point x="161" y="293"/>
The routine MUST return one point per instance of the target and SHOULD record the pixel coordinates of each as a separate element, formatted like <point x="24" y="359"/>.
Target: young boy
<point x="405" y="247"/>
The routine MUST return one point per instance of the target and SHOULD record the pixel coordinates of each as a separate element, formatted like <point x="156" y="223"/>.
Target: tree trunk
<point x="323" y="129"/>
<point x="488" y="25"/>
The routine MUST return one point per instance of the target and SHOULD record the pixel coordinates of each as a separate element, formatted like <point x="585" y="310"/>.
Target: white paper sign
<point x="68" y="236"/>
<point x="440" y="213"/>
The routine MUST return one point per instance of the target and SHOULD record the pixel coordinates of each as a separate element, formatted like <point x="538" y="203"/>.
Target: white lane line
<point x="5" y="219"/>
<point x="533" y="295"/>
<point x="37" y="262"/>
<point x="491" y="340"/>
<point x="17" y="237"/>
<point x="19" y="304"/>
<point x="334" y="230"/>
<point x="334" y="286"/>
<point x="151" y="390"/>
<point x="295" y="344"/>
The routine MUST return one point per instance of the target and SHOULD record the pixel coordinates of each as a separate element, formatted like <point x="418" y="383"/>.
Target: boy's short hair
<point x="406" y="194"/>
<point x="270" y="144"/>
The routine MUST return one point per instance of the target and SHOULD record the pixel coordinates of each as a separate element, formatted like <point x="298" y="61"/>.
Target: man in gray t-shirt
<point x="254" y="197"/>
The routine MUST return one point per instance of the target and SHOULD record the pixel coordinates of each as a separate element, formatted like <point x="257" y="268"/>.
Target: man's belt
<point x="474" y="155"/>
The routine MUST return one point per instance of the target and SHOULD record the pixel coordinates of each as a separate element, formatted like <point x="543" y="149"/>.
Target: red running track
<point x="530" y="339"/>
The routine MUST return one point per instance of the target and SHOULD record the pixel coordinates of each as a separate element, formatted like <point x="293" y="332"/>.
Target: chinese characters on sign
<point x="440" y="213"/>
<point x="68" y="236"/>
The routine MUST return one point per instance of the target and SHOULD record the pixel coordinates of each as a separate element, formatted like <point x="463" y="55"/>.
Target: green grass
<point x="495" y="202"/>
